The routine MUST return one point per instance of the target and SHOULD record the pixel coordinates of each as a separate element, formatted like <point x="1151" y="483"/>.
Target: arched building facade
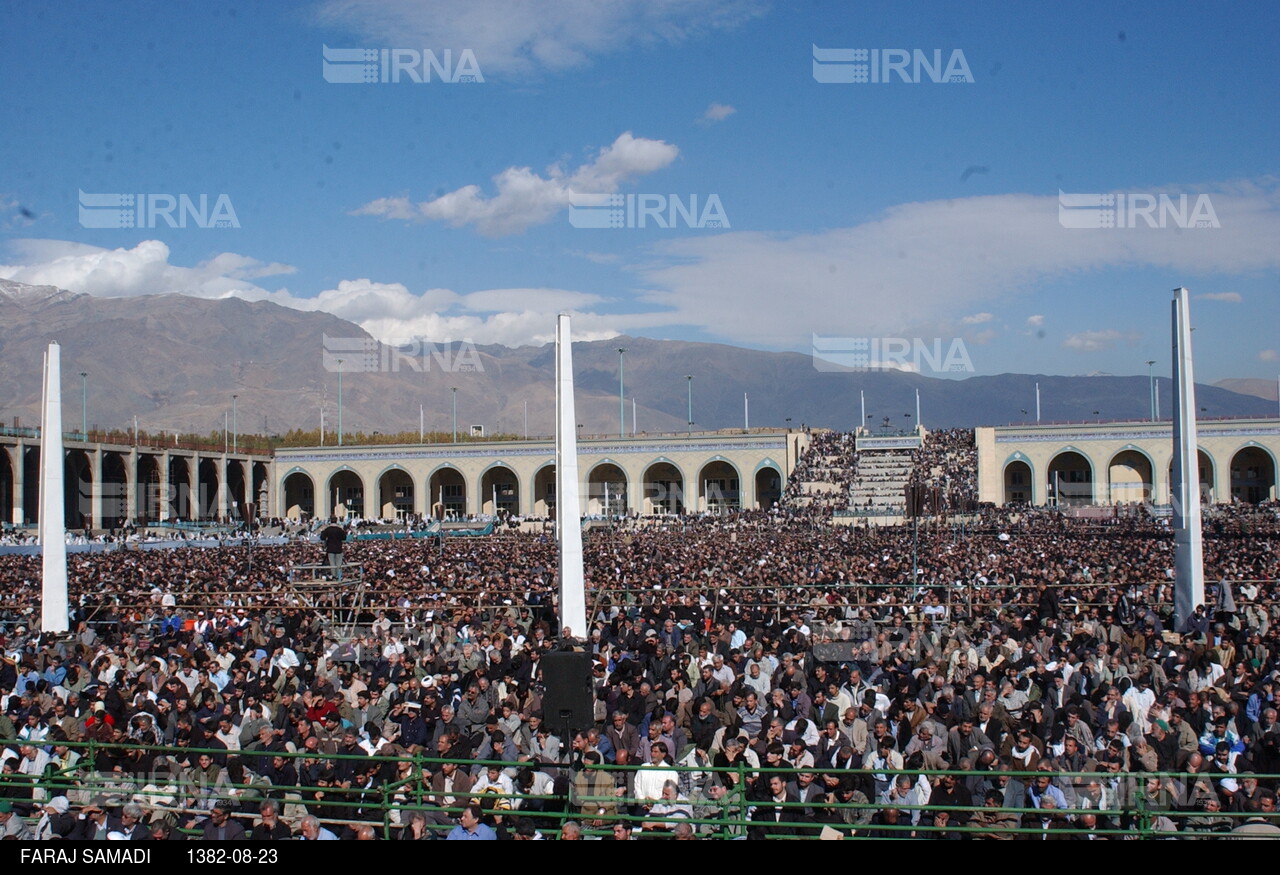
<point x="1124" y="462"/>
<point x="645" y="475"/>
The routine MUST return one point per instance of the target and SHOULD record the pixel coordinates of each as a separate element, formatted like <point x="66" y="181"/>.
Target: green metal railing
<point x="1136" y="805"/>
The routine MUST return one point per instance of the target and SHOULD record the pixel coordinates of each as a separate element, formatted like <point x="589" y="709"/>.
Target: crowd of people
<point x="828" y="458"/>
<point x="753" y="674"/>
<point x="824" y="473"/>
<point x="945" y="471"/>
<point x="940" y="476"/>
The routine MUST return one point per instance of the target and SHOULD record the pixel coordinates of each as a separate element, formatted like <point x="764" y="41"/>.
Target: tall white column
<point x="1185" y="489"/>
<point x="573" y="600"/>
<point x="223" y="489"/>
<point x="130" y="487"/>
<point x="53" y="535"/>
<point x="18" y="464"/>
<point x="96" y="491"/>
<point x="162" y="512"/>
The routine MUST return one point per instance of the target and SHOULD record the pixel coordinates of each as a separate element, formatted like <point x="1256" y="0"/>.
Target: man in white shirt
<point x="652" y="778"/>
<point x="1139" y="700"/>
<point x="493" y="781"/>
<point x="228" y="733"/>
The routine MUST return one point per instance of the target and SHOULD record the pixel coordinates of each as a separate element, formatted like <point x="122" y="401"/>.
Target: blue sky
<point x="889" y="210"/>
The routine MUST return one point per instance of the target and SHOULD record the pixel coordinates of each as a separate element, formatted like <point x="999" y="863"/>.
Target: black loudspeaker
<point x="836" y="651"/>
<point x="569" y="701"/>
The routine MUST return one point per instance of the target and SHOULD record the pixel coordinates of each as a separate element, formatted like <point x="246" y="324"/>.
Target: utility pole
<point x="1151" y="386"/>
<point x="689" y="377"/>
<point x="622" y="407"/>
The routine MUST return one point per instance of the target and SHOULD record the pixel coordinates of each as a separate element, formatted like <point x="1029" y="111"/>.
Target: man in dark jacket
<point x="220" y="827"/>
<point x="769" y="813"/>
<point x="333" y="536"/>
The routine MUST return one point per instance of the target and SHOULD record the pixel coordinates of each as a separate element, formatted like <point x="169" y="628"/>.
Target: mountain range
<point x="176" y="361"/>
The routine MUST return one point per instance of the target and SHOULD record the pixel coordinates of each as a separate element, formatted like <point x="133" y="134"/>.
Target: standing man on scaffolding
<point x="333" y="536"/>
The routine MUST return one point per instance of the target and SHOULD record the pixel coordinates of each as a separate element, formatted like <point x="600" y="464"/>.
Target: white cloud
<point x="918" y="270"/>
<point x="388" y="311"/>
<point x="516" y="36"/>
<point x="893" y="365"/>
<point x="927" y="261"/>
<point x="1229" y="297"/>
<point x="389" y="208"/>
<point x="142" y="270"/>
<point x="717" y="112"/>
<point x="511" y="317"/>
<point x="1093" y="341"/>
<point x="977" y="319"/>
<point x="524" y="198"/>
<point x="1269" y="355"/>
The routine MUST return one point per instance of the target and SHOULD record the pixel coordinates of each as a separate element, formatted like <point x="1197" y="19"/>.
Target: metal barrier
<point x="1131" y="805"/>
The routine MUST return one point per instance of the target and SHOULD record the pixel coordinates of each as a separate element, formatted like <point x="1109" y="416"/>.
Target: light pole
<point x="235" y="431"/>
<point x="339" y="402"/>
<point x="689" y="377"/>
<point x="454" y="390"/>
<point x="622" y="410"/>
<point x="84" y="404"/>
<point x="1151" y="382"/>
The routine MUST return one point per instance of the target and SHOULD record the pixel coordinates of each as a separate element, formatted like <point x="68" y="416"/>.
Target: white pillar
<point x="94" y="460"/>
<point x="130" y="486"/>
<point x="162" y="512"/>
<point x="224" y="491"/>
<point x="18" y="462"/>
<point x="573" y="601"/>
<point x="1185" y="489"/>
<point x="53" y="536"/>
